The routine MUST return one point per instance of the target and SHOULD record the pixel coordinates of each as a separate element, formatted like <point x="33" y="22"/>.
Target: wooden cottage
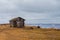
<point x="17" y="22"/>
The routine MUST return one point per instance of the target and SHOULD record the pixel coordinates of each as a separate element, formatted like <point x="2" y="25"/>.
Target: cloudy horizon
<point x="34" y="11"/>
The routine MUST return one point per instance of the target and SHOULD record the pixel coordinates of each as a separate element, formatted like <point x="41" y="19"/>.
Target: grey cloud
<point x="31" y="9"/>
<point x="41" y="6"/>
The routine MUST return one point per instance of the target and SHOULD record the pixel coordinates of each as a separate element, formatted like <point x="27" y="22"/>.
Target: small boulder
<point x="38" y="26"/>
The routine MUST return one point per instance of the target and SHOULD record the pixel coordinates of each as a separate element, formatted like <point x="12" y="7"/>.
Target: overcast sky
<point x="34" y="11"/>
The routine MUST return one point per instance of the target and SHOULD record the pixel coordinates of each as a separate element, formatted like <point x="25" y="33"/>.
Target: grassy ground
<point x="7" y="33"/>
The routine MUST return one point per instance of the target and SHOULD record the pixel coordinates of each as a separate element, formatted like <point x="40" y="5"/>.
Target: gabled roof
<point x="14" y="19"/>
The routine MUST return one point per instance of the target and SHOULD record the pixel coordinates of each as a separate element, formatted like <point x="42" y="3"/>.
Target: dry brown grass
<point x="7" y="33"/>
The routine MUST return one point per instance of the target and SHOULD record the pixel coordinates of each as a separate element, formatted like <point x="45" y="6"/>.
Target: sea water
<point x="46" y="25"/>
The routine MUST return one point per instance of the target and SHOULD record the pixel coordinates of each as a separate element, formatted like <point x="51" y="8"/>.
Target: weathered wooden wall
<point x="17" y="23"/>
